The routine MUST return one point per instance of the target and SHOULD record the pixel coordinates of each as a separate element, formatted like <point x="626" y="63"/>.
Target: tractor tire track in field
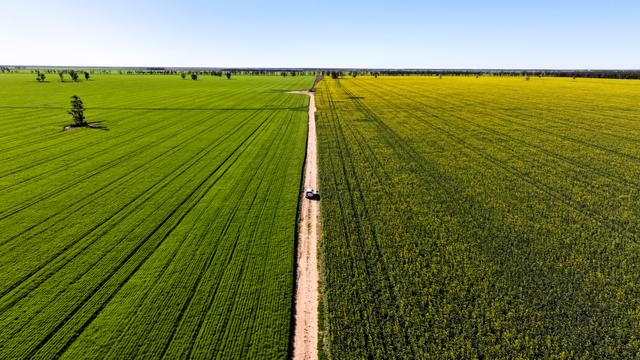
<point x="134" y="135"/>
<point x="209" y="261"/>
<point x="119" y="214"/>
<point x="180" y="213"/>
<point x="595" y="216"/>
<point x="174" y="175"/>
<point x="85" y="201"/>
<point x="235" y="157"/>
<point x="305" y="337"/>
<point x="69" y="187"/>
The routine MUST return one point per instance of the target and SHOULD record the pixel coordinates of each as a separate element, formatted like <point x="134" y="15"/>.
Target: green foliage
<point x="74" y="75"/>
<point x="480" y="217"/>
<point x="77" y="111"/>
<point x="171" y="234"/>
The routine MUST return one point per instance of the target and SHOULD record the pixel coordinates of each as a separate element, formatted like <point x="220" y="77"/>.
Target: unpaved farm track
<point x="305" y="338"/>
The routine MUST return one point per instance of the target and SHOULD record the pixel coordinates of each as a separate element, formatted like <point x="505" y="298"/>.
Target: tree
<point x="228" y="75"/>
<point x="194" y="76"/>
<point x="61" y="74"/>
<point x="74" y="75"/>
<point x="40" y="77"/>
<point x="86" y="75"/>
<point x="77" y="112"/>
<point x="183" y="75"/>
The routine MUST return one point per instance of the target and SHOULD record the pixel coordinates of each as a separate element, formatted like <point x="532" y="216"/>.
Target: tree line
<point x="335" y="73"/>
<point x="194" y="75"/>
<point x="598" y="74"/>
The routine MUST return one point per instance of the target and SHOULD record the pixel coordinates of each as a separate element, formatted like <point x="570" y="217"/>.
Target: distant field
<point x="480" y="217"/>
<point x="169" y="234"/>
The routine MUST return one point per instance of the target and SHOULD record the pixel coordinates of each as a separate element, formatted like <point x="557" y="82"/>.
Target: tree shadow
<point x="97" y="125"/>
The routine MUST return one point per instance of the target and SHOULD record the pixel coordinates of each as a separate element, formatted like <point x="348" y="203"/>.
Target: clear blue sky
<point x="330" y="33"/>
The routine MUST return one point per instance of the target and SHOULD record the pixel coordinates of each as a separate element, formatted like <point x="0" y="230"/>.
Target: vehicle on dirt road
<point x="309" y="193"/>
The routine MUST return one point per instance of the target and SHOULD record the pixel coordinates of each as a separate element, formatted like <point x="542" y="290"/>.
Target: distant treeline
<point x="602" y="74"/>
<point x="161" y="71"/>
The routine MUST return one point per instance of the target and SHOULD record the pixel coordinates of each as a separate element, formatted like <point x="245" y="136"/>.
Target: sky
<point x="491" y="34"/>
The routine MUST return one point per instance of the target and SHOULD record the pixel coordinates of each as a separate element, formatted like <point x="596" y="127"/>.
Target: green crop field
<point x="169" y="231"/>
<point x="480" y="217"/>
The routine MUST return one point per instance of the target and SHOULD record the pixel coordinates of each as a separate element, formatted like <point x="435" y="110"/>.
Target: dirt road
<point x="305" y="339"/>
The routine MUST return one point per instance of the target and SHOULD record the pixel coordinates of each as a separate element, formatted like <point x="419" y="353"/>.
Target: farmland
<point x="480" y="217"/>
<point x="168" y="231"/>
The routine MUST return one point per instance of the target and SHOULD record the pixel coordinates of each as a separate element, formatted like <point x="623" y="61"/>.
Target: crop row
<point x="458" y="223"/>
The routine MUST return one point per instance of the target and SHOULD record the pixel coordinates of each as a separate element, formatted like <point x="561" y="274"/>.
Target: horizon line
<point x="151" y="67"/>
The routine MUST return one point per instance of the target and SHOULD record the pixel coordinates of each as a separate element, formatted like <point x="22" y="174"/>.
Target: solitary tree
<point x="228" y="75"/>
<point x="86" y="75"/>
<point x="74" y="75"/>
<point x="194" y="76"/>
<point x="40" y="77"/>
<point x="183" y="75"/>
<point x="61" y="74"/>
<point x="77" y="112"/>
